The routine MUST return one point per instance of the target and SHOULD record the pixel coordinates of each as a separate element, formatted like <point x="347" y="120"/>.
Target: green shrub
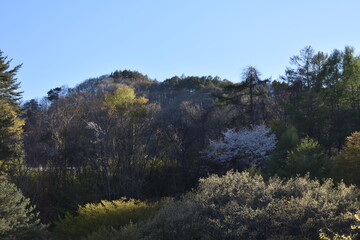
<point x="347" y="161"/>
<point x="17" y="218"/>
<point x="328" y="234"/>
<point x="177" y="220"/>
<point x="308" y="157"/>
<point x="288" y="140"/>
<point x="127" y="232"/>
<point x="92" y="217"/>
<point x="241" y="206"/>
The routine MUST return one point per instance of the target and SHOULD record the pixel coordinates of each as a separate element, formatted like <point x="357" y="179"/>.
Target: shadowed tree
<point x="246" y="95"/>
<point x="347" y="162"/>
<point x="252" y="83"/>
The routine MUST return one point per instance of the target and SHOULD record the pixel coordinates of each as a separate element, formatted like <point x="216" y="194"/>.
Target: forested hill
<point x="318" y="95"/>
<point x="126" y="98"/>
<point x="126" y="135"/>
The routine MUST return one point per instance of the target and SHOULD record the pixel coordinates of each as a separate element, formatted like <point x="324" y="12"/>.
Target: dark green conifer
<point x="11" y="150"/>
<point x="17" y="218"/>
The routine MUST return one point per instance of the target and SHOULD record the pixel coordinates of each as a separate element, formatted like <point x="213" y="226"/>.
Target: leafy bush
<point x="127" y="232"/>
<point x="347" y="162"/>
<point x="327" y="234"/>
<point x="92" y="217"/>
<point x="308" y="157"/>
<point x="288" y="140"/>
<point x="17" y="218"/>
<point x="241" y="206"/>
<point x="177" y="220"/>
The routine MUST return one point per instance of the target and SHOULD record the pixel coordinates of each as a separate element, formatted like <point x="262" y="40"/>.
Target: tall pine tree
<point x="18" y="220"/>
<point x="11" y="147"/>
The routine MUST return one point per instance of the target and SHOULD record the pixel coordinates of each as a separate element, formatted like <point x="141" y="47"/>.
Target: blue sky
<point x="66" y="42"/>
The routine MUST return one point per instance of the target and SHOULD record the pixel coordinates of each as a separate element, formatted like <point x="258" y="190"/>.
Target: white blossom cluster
<point x="249" y="145"/>
<point x="98" y="131"/>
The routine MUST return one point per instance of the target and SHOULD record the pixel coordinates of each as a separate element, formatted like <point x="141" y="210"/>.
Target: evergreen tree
<point x="304" y="106"/>
<point x="308" y="157"/>
<point x="8" y="83"/>
<point x="252" y="82"/>
<point x="288" y="140"/>
<point x="11" y="151"/>
<point x="17" y="219"/>
<point x="248" y="95"/>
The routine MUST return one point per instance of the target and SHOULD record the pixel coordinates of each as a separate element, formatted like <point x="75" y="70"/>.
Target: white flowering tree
<point x="248" y="146"/>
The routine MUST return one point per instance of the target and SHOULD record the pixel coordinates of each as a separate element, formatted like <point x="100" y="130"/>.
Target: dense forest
<point x="123" y="156"/>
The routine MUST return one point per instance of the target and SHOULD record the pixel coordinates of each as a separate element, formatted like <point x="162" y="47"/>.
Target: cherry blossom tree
<point x="246" y="147"/>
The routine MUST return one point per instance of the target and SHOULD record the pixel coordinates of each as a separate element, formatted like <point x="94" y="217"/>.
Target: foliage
<point x="241" y="206"/>
<point x="288" y="139"/>
<point x="101" y="140"/>
<point x="323" y="97"/>
<point x="53" y="94"/>
<point x="56" y="194"/>
<point x="9" y="88"/>
<point x="125" y="102"/>
<point x="248" y="96"/>
<point x="17" y="217"/>
<point x="11" y="152"/>
<point x="127" y="232"/>
<point x="338" y="236"/>
<point x="116" y="214"/>
<point x="161" y="178"/>
<point x="308" y="157"/>
<point x="176" y="220"/>
<point x="193" y="83"/>
<point x="242" y="148"/>
<point x="347" y="162"/>
<point x="253" y="83"/>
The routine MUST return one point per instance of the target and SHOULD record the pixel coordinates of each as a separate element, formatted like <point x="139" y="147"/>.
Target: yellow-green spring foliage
<point x="124" y="102"/>
<point x="347" y="162"/>
<point x="94" y="216"/>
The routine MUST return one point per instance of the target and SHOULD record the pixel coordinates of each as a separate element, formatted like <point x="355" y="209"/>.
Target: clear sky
<point x="65" y="42"/>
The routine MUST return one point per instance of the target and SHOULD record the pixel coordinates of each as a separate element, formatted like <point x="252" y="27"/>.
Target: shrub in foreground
<point x="104" y="216"/>
<point x="328" y="234"/>
<point x="127" y="232"/>
<point x="241" y="206"/>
